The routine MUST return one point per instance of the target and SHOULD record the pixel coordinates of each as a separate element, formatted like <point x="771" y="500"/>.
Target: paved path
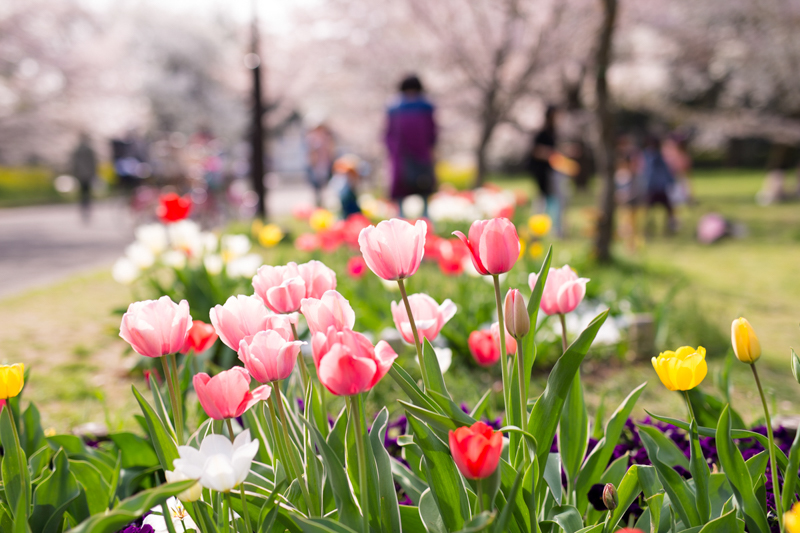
<point x="44" y="244"/>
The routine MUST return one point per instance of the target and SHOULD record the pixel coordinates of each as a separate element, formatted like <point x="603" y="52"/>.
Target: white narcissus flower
<point x="213" y="264"/>
<point x="192" y="494"/>
<point x="219" y="464"/>
<point x="125" y="271"/>
<point x="234" y="246"/>
<point x="210" y="242"/>
<point x="140" y="254"/>
<point x="181" y="521"/>
<point x="185" y="235"/>
<point x="245" y="266"/>
<point x="154" y="236"/>
<point x="174" y="259"/>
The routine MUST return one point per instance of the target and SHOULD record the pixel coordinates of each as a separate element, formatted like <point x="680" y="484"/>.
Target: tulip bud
<point x="796" y="366"/>
<point x="518" y="322"/>
<point x="745" y="342"/>
<point x="610" y="498"/>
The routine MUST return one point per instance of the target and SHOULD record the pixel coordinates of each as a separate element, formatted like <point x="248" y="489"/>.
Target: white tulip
<point x="445" y="357"/>
<point x="244" y="267"/>
<point x="174" y="258"/>
<point x="181" y="520"/>
<point x="213" y="264"/>
<point x="140" y="254"/>
<point x="219" y="464"/>
<point x="209" y="241"/>
<point x="192" y="494"/>
<point x="124" y="271"/>
<point x="234" y="246"/>
<point x="154" y="236"/>
<point x="186" y="235"/>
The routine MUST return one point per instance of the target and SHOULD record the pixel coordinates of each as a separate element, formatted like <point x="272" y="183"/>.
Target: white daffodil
<point x="140" y="254"/>
<point x="154" y="236"/>
<point x="244" y="267"/>
<point x="124" y="271"/>
<point x="174" y="258"/>
<point x="219" y="464"/>
<point x="213" y="264"/>
<point x="181" y="520"/>
<point x="185" y="235"/>
<point x="210" y="242"/>
<point x="234" y="246"/>
<point x="192" y="494"/>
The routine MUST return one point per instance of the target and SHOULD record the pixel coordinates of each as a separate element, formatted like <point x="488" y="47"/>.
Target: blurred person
<point x="675" y="150"/>
<point x="84" y="168"/>
<point x="543" y="147"/>
<point x="345" y="181"/>
<point x="658" y="179"/>
<point x="410" y="139"/>
<point x="321" y="152"/>
<point x="629" y="191"/>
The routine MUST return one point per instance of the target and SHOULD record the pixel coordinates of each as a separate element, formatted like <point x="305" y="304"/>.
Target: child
<point x="346" y="177"/>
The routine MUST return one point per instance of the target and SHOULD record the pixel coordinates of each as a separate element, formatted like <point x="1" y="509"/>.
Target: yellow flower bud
<point x="540" y="224"/>
<point x="321" y="219"/>
<point x="791" y="520"/>
<point x="745" y="342"/>
<point x="683" y="369"/>
<point x="270" y="235"/>
<point x="12" y="377"/>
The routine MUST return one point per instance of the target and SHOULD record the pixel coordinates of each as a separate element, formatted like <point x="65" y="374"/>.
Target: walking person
<point x="84" y="168"/>
<point x="410" y="140"/>
<point x="543" y="148"/>
<point x="321" y="153"/>
<point x="659" y="180"/>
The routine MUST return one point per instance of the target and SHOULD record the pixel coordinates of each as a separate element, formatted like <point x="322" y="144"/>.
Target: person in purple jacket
<point x="410" y="139"/>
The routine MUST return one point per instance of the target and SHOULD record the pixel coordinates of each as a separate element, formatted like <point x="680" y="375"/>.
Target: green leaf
<point x="409" y="386"/>
<point x="597" y="426"/>
<point x="349" y="513"/>
<point x="757" y="465"/>
<point x="654" y="505"/>
<point x="390" y="514"/>
<point x="598" y="458"/>
<point x="165" y="447"/>
<point x="628" y="490"/>
<point x="573" y="435"/>
<point x="440" y="423"/>
<point x="700" y="475"/>
<point x="94" y="485"/>
<point x="479" y="523"/>
<point x="739" y="477"/>
<point x="511" y="501"/>
<point x="790" y="482"/>
<point x="161" y="408"/>
<point x="432" y="368"/>
<point x="320" y="525"/>
<point x="429" y="513"/>
<point x="53" y="495"/>
<point x="446" y="484"/>
<point x="16" y="477"/>
<point x="451" y="409"/>
<point x="681" y="497"/>
<point x="528" y="342"/>
<point x="131" y="509"/>
<point x="411" y="520"/>
<point x="481" y="406"/>
<point x="552" y="476"/>
<point x="31" y="435"/>
<point x="411" y="484"/>
<point x="726" y="523"/>
<point x="668" y="451"/>
<point x="551" y="402"/>
<point x="136" y="451"/>
<point x="21" y="525"/>
<point x="567" y="517"/>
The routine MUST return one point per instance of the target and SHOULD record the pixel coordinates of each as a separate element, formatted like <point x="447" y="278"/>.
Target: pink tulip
<point x="318" y="278"/>
<point x="511" y="344"/>
<point x="282" y="324"/>
<point x="394" y="248"/>
<point x="332" y="310"/>
<point x="347" y="363"/>
<point x="280" y="287"/>
<point x="483" y="347"/>
<point x="563" y="290"/>
<point x="156" y="327"/>
<point x="240" y="317"/>
<point x="227" y="395"/>
<point x="429" y="316"/>
<point x="493" y="245"/>
<point x="268" y="356"/>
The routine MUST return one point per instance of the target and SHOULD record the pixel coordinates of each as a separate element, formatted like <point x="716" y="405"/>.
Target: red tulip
<point x="156" y="327"/>
<point x="493" y="245"/>
<point x="173" y="208"/>
<point x="476" y="450"/>
<point x="483" y="347"/>
<point x="356" y="267"/>
<point x="511" y="344"/>
<point x="347" y="363"/>
<point x="201" y="337"/>
<point x="227" y="395"/>
<point x="307" y="242"/>
<point x="394" y="248"/>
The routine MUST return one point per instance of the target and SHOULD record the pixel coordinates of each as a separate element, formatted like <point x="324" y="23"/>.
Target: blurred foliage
<point x="27" y="185"/>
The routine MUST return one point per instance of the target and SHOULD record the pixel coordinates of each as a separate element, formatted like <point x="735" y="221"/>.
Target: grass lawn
<point x="67" y="334"/>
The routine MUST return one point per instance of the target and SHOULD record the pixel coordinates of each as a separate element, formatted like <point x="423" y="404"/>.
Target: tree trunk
<point x="258" y="150"/>
<point x="605" y="119"/>
<point x="480" y="153"/>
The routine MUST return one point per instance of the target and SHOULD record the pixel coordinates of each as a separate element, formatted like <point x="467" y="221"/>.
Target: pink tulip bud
<point x="332" y="310"/>
<point x="156" y="327"/>
<point x="483" y="347"/>
<point x="493" y="245"/>
<point x="347" y="363"/>
<point x="563" y="290"/>
<point x="227" y="395"/>
<point x="429" y="316"/>
<point x="317" y="277"/>
<point x="511" y="344"/>
<point x="394" y="248"/>
<point x="240" y="317"/>
<point x="280" y="287"/>
<point x="518" y="322"/>
<point x="268" y="356"/>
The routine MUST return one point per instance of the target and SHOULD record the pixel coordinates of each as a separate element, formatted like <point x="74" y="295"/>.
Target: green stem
<point x="173" y="361"/>
<point x="229" y="517"/>
<point x="417" y="345"/>
<point x="480" y="496"/>
<point x="302" y="362"/>
<point x="563" y="320"/>
<point x="523" y="400"/>
<point x="776" y="489"/>
<point x="689" y="406"/>
<point x="357" y="414"/>
<point x="245" y="512"/>
<point x="167" y="517"/>
<point x="280" y="442"/>
<point x="172" y="399"/>
<point x="503" y="356"/>
<point x="297" y="468"/>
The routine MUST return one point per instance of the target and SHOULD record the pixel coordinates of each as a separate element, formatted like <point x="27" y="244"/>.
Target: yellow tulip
<point x="321" y="219"/>
<point x="270" y="235"/>
<point x="12" y="377"/>
<point x="536" y="250"/>
<point x="540" y="224"/>
<point x="683" y="369"/>
<point x="791" y="520"/>
<point x="745" y="342"/>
